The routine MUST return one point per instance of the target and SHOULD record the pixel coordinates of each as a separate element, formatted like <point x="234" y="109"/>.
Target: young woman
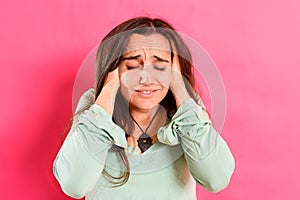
<point x="142" y="132"/>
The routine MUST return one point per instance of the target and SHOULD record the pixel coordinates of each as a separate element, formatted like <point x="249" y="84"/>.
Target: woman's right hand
<point x="106" y="98"/>
<point x="112" y="79"/>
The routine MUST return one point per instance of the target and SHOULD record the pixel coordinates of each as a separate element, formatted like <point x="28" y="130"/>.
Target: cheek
<point x="164" y="78"/>
<point x="128" y="82"/>
<point x="129" y="79"/>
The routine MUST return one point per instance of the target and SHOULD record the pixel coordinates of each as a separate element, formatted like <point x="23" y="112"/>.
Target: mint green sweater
<point x="188" y="150"/>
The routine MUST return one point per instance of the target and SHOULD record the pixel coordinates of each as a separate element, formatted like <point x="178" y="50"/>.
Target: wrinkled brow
<point x="132" y="57"/>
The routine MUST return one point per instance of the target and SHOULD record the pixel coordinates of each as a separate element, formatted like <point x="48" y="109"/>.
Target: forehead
<point x="154" y="42"/>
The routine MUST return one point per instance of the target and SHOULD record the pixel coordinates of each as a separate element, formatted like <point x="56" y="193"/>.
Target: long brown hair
<point x="109" y="56"/>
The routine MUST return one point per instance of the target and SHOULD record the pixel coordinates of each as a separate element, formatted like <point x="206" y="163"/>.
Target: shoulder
<point x="86" y="99"/>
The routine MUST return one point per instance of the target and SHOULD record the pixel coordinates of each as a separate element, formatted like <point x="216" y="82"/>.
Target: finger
<point x="176" y="64"/>
<point x="113" y="76"/>
<point x="175" y="60"/>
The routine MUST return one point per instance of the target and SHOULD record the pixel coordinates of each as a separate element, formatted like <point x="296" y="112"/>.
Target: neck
<point x="143" y="116"/>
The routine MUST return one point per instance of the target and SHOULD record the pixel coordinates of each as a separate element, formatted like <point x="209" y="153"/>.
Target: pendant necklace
<point x="144" y="141"/>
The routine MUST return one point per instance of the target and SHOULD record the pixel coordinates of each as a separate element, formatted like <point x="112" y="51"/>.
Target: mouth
<point x="146" y="93"/>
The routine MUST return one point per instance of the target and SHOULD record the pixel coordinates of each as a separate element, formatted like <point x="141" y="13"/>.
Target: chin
<point x="143" y="105"/>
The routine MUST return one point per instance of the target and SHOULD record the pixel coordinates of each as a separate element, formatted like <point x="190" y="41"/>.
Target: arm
<point x="207" y="154"/>
<point x="81" y="159"/>
<point x="82" y="156"/>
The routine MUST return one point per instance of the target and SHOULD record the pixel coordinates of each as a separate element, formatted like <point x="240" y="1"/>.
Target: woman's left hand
<point x="177" y="85"/>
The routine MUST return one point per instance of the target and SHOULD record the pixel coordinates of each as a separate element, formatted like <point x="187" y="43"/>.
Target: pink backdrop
<point x="254" y="43"/>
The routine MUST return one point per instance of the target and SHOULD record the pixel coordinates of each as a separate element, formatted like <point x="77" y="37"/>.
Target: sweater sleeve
<point x="207" y="154"/>
<point x="81" y="158"/>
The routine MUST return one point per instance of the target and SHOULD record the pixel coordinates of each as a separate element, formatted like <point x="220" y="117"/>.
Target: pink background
<point x="254" y="43"/>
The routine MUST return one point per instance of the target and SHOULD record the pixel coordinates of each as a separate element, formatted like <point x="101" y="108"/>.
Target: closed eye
<point x="160" y="68"/>
<point x="132" y="67"/>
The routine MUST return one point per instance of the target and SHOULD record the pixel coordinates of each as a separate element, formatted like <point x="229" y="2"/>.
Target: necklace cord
<point x="144" y="141"/>
<point x="147" y="126"/>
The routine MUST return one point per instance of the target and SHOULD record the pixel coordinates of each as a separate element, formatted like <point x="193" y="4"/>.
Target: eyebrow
<point x="132" y="57"/>
<point x="161" y="59"/>
<point x="139" y="56"/>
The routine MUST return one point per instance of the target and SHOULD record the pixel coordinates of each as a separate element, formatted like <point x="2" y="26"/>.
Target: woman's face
<point x="145" y="70"/>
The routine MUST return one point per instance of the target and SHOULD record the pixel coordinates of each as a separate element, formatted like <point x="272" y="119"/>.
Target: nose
<point x="146" y="76"/>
